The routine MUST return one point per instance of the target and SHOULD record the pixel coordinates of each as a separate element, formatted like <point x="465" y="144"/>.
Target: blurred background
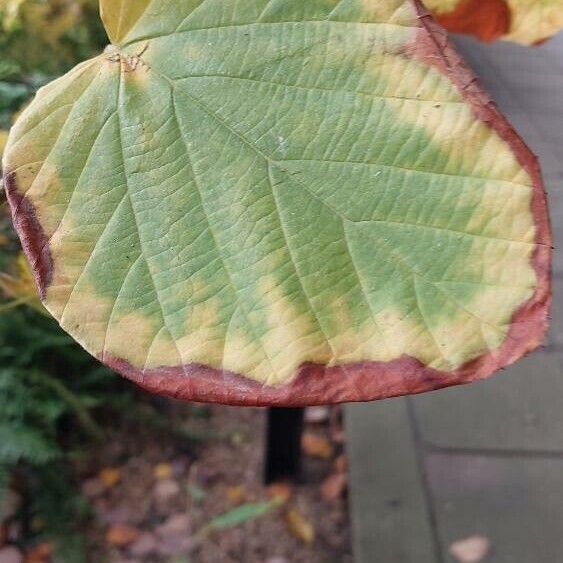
<point x="92" y="469"/>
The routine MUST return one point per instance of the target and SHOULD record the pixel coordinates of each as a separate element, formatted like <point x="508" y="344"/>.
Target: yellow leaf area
<point x="20" y="286"/>
<point x="119" y="16"/>
<point x="3" y="140"/>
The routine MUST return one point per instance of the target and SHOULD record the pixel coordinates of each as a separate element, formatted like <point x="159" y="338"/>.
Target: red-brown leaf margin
<point x="316" y="384"/>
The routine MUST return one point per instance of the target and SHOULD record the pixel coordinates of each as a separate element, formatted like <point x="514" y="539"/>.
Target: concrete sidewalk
<point x="485" y="459"/>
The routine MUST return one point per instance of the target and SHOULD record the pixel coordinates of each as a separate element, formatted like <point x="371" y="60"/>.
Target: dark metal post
<point x="283" y="444"/>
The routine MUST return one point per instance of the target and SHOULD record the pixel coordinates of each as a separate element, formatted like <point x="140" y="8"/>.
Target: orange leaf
<point x="110" y="476"/>
<point x="281" y="491"/>
<point x="316" y="446"/>
<point x="341" y="464"/>
<point x="333" y="487"/>
<point x="163" y="471"/>
<point x="299" y="526"/>
<point x="486" y="19"/>
<point x="121" y="535"/>
<point x="236" y="495"/>
<point x="40" y="553"/>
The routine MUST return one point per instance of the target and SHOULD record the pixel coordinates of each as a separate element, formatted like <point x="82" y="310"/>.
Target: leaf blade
<point x="280" y="198"/>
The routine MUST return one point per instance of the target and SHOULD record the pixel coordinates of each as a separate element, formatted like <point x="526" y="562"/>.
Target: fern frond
<point x="23" y="443"/>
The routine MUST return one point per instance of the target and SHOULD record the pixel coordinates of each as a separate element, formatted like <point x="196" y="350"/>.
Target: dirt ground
<point x="157" y="496"/>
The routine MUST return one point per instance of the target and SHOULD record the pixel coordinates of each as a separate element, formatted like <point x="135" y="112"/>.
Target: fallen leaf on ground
<point x="40" y="553"/>
<point x="341" y="464"/>
<point x="333" y="487"/>
<point x="316" y="415"/>
<point x="281" y="491"/>
<point x="241" y="514"/>
<point x="110" y="476"/>
<point x="299" y="526"/>
<point x="236" y="495"/>
<point x="163" y="471"/>
<point x="121" y="535"/>
<point x="471" y="550"/>
<point x="316" y="446"/>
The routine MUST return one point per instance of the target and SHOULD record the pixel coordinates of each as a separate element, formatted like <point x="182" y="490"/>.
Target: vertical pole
<point x="283" y="444"/>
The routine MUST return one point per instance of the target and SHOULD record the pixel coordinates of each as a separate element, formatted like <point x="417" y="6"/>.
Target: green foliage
<point x="39" y="40"/>
<point x="59" y="507"/>
<point x="242" y="514"/>
<point x="48" y="36"/>
<point x="48" y="387"/>
<point x="48" y="384"/>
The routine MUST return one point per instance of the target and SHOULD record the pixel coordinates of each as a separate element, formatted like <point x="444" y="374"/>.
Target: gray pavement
<point x="484" y="459"/>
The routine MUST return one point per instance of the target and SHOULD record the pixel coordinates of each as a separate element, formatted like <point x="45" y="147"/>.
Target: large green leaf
<point x="281" y="201"/>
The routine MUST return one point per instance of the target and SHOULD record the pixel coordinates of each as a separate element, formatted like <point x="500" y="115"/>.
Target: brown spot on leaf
<point x="34" y="241"/>
<point x="486" y="19"/>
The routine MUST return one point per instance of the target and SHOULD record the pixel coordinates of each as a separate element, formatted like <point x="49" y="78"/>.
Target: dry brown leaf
<point x="341" y="464"/>
<point x="334" y="486"/>
<point x="299" y="526"/>
<point x="121" y="535"/>
<point x="163" y="471"/>
<point x="315" y="445"/>
<point x="236" y="495"/>
<point x="471" y="550"/>
<point x="110" y="476"/>
<point x="282" y="491"/>
<point x="40" y="553"/>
